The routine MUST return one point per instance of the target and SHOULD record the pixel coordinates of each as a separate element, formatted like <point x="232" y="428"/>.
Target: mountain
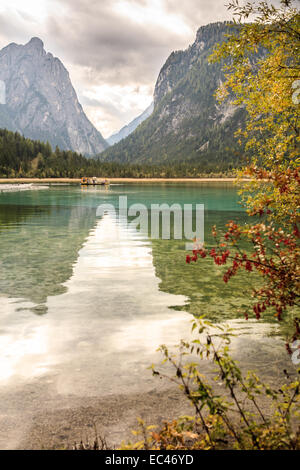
<point x="38" y="100"/>
<point x="187" y="123"/>
<point x="127" y="130"/>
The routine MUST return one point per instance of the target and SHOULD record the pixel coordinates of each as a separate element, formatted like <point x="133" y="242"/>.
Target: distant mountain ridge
<point x="187" y="123"/>
<point x="39" y="101"/>
<point x="129" y="128"/>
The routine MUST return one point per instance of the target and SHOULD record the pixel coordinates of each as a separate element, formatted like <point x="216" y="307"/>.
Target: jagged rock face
<point x="127" y="130"/>
<point x="187" y="123"/>
<point x="180" y="62"/>
<point x="40" y="101"/>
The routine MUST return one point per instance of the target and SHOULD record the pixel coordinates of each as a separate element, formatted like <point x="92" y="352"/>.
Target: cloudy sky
<point x="113" y="49"/>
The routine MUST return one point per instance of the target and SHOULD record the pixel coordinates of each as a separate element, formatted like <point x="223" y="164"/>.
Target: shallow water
<point x="85" y="300"/>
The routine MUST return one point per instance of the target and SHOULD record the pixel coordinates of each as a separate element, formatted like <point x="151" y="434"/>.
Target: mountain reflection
<point x="39" y="246"/>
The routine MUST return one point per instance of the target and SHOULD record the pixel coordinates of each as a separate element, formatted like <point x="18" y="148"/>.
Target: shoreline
<point x="120" y="180"/>
<point x="113" y="416"/>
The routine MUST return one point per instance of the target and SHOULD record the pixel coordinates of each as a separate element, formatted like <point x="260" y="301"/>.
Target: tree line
<point x="21" y="157"/>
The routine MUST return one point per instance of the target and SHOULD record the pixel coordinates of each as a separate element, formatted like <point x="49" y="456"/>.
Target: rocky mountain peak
<point x="179" y="62"/>
<point x="35" y="43"/>
<point x="40" y="101"/>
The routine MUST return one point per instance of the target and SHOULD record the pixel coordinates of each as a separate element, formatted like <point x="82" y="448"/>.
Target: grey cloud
<point x="18" y="27"/>
<point x="26" y="16"/>
<point x="113" y="46"/>
<point x="103" y="105"/>
<point x="90" y="102"/>
<point x="198" y="13"/>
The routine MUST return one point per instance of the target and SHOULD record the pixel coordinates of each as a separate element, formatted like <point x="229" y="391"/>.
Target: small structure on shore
<point x="86" y="181"/>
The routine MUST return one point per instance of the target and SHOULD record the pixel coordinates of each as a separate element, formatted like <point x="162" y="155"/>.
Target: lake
<point x="86" y="300"/>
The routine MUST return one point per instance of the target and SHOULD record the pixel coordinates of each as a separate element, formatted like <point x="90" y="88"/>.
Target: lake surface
<point x="86" y="300"/>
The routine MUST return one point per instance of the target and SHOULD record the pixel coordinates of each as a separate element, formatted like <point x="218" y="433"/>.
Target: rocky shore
<point x="4" y="188"/>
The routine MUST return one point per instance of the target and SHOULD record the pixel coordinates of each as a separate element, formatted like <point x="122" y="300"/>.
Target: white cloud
<point x="31" y="9"/>
<point x="110" y="107"/>
<point x="153" y="11"/>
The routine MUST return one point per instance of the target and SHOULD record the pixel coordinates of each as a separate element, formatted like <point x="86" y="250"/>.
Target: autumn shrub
<point x="231" y="418"/>
<point x="262" y="74"/>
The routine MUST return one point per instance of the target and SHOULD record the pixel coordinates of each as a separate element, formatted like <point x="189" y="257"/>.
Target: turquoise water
<point x="85" y="301"/>
<point x="42" y="232"/>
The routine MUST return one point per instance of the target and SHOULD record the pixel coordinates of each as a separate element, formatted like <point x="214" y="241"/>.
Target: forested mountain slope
<point x="187" y="123"/>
